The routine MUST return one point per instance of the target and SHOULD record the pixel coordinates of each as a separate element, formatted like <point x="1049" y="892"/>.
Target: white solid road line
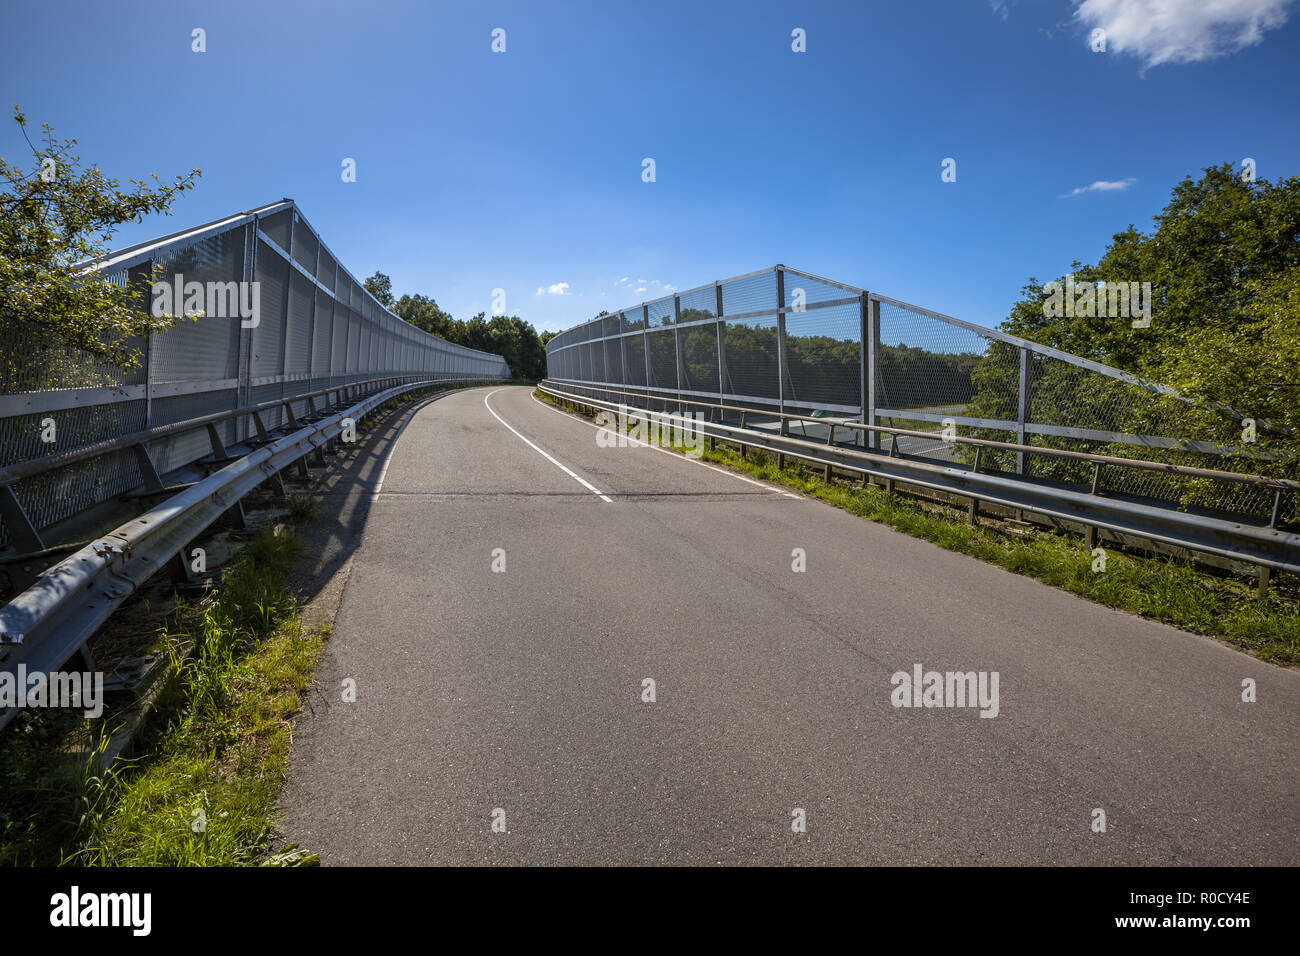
<point x="693" y="461"/>
<point x="560" y="465"/>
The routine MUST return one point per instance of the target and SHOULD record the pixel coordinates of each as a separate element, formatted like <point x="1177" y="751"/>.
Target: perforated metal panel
<point x="268" y="337"/>
<point x="304" y="338"/>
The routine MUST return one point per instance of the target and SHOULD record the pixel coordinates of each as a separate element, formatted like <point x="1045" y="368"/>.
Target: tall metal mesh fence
<point x="316" y="328"/>
<point x="786" y="341"/>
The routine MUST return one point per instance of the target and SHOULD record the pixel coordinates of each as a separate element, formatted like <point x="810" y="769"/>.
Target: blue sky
<point x="522" y="170"/>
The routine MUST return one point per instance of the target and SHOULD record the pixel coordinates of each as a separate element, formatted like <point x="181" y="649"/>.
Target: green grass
<point x="206" y="790"/>
<point x="303" y="509"/>
<point x="1174" y="591"/>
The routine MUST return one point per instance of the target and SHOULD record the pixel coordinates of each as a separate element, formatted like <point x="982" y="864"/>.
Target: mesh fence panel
<point x="700" y="304"/>
<point x="276" y="226"/>
<point x="751" y="352"/>
<point x="613" y="361"/>
<point x="634" y="360"/>
<point x="663" y="359"/>
<point x="661" y="312"/>
<point x="268" y="337"/>
<point x="926" y="364"/>
<point x="53" y="496"/>
<point x="302" y="303"/>
<point x="700" y="358"/>
<point x="753" y="294"/>
<point x="809" y="291"/>
<point x="823" y="358"/>
<point x="208" y="348"/>
<point x="305" y="245"/>
<point x="180" y="450"/>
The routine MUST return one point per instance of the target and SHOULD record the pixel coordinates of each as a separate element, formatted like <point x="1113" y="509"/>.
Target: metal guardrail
<point x="791" y="342"/>
<point x="51" y="621"/>
<point x="1266" y="547"/>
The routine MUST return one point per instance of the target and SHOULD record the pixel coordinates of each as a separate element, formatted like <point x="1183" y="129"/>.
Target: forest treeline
<point x="509" y="336"/>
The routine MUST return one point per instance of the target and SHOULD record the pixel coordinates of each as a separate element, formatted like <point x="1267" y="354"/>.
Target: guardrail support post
<point x="1090" y="535"/>
<point x="233" y="517"/>
<point x="1264" y="575"/>
<point x="148" y="473"/>
<point x="261" y="427"/>
<point x="219" y="452"/>
<point x="179" y="567"/>
<point x="22" y="533"/>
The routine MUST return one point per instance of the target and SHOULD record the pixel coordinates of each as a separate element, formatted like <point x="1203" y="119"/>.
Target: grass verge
<point x="205" y="791"/>
<point x="1172" y="590"/>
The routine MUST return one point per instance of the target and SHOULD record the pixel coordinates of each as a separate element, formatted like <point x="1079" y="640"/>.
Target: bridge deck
<point x="522" y="690"/>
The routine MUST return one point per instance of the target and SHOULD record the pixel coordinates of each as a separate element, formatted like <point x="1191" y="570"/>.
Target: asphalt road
<point x="522" y="691"/>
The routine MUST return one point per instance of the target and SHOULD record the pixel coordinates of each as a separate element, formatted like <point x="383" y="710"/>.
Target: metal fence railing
<point x="318" y="328"/>
<point x="790" y="342"/>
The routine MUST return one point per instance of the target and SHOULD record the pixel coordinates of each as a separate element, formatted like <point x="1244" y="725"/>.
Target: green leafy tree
<point x="506" y="335"/>
<point x="423" y="313"/>
<point x="56" y="217"/>
<point x="381" y="287"/>
<point x="1223" y="262"/>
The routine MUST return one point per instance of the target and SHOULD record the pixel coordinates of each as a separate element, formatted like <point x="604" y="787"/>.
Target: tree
<point x="381" y="287"/>
<point x="1223" y="263"/>
<point x="423" y="313"/>
<point x="55" y="219"/>
<point x="1224" y="267"/>
<point x="506" y="335"/>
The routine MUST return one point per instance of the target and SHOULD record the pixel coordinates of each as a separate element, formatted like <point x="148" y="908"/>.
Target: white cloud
<point x="1103" y="186"/>
<point x="622" y="280"/>
<point x="560" y="288"/>
<point x="1181" y="31"/>
<point x="639" y="290"/>
<point x="1001" y="7"/>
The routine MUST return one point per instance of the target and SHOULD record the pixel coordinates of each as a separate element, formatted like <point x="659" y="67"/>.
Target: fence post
<point x="141" y="277"/>
<point x="645" y="349"/>
<point x="315" y="320"/>
<point x="722" y="355"/>
<point x="871" y="356"/>
<point x="244" y="370"/>
<point x="677" y="347"/>
<point x="780" y="350"/>
<point x="284" y="327"/>
<point x="1023" y="408"/>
